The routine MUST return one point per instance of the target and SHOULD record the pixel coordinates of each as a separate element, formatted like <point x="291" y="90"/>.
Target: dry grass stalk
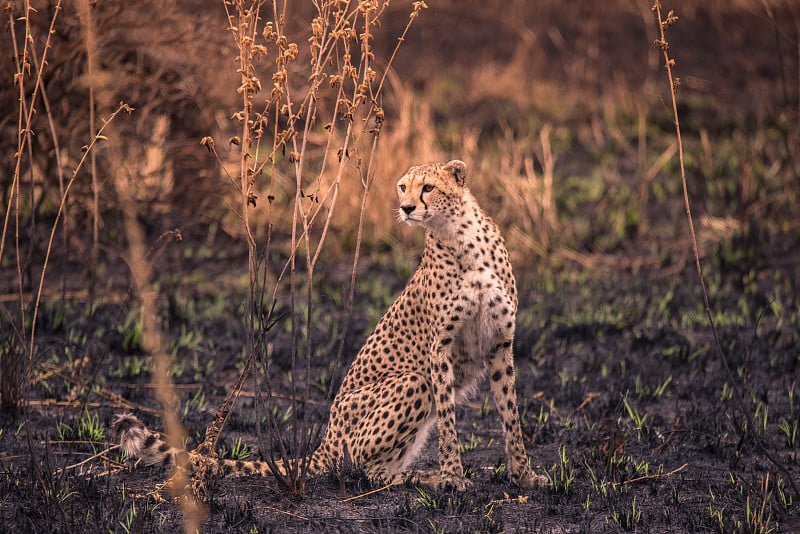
<point x="25" y="115"/>
<point x="674" y="83"/>
<point x="530" y="192"/>
<point x="12" y="366"/>
<point x="665" y="22"/>
<point x="549" y="217"/>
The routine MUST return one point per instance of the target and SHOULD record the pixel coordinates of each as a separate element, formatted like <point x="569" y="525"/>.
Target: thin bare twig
<point x="24" y="129"/>
<point x="284" y="512"/>
<point x="87" y="149"/>
<point x="656" y="475"/>
<point x="89" y="459"/>
<point x="674" y="83"/>
<point x="367" y="494"/>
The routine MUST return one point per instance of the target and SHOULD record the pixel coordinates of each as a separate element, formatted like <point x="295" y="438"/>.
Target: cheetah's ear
<point x="459" y="170"/>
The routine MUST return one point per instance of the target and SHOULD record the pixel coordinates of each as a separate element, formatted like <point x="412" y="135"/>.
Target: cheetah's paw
<point x="532" y="480"/>
<point x="449" y="480"/>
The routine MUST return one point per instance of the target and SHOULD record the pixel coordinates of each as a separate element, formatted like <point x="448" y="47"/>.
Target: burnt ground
<point x="624" y="402"/>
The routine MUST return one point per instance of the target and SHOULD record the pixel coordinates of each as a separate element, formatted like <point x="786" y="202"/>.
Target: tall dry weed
<point x="309" y="124"/>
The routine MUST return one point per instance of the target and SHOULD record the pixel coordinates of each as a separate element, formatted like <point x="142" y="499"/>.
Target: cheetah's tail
<point x="139" y="442"/>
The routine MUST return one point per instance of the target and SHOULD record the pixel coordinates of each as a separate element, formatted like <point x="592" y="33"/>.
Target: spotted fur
<point x="451" y="325"/>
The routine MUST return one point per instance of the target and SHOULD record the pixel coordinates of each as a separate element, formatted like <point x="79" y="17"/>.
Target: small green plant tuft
<point x="629" y="519"/>
<point x="90" y="429"/>
<point x="758" y="511"/>
<point x="239" y="451"/>
<point x="562" y="474"/>
<point x="434" y="528"/>
<point x="426" y="500"/>
<point x="636" y="418"/>
<point x="197" y="402"/>
<point x="484" y="410"/>
<point x="64" y="431"/>
<point x="132" y="332"/>
<point x="127" y="521"/>
<point x="787" y="499"/>
<point x="322" y="384"/>
<point x="472" y="444"/>
<point x="790" y="431"/>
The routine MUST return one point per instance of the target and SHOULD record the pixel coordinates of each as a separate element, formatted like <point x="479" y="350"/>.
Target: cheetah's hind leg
<point x="381" y="425"/>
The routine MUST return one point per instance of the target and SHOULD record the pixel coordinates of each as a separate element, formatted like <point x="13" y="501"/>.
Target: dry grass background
<point x="473" y="80"/>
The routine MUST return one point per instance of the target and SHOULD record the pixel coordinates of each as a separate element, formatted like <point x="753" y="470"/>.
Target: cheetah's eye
<point x="427" y="188"/>
<point x="402" y="188"/>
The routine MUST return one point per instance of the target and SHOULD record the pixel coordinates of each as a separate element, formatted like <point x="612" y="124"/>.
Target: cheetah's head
<point x="427" y="192"/>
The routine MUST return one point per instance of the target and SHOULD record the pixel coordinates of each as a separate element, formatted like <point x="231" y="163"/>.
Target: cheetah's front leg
<point x="503" y="385"/>
<point x="451" y="472"/>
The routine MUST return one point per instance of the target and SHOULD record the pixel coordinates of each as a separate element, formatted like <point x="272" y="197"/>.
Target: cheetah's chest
<point x="487" y="311"/>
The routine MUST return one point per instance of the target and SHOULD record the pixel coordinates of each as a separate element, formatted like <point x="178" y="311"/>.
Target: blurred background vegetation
<point x="517" y="89"/>
<point x="560" y="113"/>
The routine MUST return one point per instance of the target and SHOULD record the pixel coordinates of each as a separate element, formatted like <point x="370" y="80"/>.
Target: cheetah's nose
<point x="408" y="209"/>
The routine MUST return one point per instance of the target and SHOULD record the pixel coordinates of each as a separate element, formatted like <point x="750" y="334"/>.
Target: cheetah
<point x="451" y="325"/>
